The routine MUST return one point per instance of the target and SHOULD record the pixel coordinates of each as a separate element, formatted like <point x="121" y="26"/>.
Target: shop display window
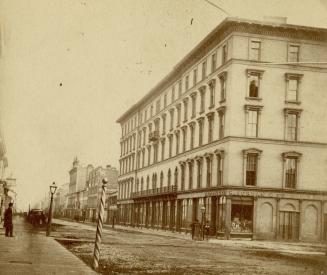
<point x="241" y="218"/>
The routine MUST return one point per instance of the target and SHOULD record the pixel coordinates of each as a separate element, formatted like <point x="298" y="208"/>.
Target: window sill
<point x="292" y="102"/>
<point x="222" y="101"/>
<point x="201" y="112"/>
<point x="253" y="98"/>
<point x="211" y="106"/>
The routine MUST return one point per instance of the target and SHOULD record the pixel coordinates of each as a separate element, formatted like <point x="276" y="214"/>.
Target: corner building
<point x="233" y="136"/>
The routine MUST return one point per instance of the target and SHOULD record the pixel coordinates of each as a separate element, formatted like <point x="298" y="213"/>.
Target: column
<point x="228" y="212"/>
<point x="254" y="228"/>
<point x="300" y="219"/>
<point x="277" y="219"/>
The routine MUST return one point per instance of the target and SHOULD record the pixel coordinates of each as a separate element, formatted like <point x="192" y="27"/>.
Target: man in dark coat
<point x="8" y="221"/>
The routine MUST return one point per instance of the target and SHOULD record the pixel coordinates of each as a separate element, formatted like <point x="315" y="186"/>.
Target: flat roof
<point x="226" y="22"/>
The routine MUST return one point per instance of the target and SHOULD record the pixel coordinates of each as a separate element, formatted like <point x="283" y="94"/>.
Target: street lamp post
<point x="53" y="189"/>
<point x="203" y="210"/>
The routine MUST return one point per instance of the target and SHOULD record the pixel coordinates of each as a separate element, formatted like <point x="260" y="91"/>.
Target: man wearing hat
<point x="8" y="221"/>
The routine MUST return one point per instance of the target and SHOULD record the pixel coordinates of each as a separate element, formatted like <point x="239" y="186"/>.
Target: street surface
<point x="132" y="251"/>
<point x="31" y="252"/>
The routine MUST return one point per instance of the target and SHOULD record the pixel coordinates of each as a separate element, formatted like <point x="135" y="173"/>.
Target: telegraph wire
<point x="217" y="7"/>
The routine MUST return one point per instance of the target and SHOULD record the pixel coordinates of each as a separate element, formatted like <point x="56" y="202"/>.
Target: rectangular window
<point x="184" y="139"/>
<point x="171" y="119"/>
<point x="204" y="69"/>
<point x="165" y="100"/>
<point x="193" y="105"/>
<point x="157" y="106"/>
<point x="186" y="82"/>
<point x="199" y="174"/>
<point x="180" y="88"/>
<point x="145" y="115"/>
<point x="221" y="124"/>
<point x="290" y="172"/>
<point x="164" y="124"/>
<point x="210" y="128"/>
<point x="155" y="153"/>
<point x="293" y="53"/>
<point x="251" y="169"/>
<point x="172" y="94"/>
<point x="252" y="123"/>
<point x="149" y="155"/>
<point x="213" y="62"/>
<point x="177" y="143"/>
<point x="178" y="115"/>
<point x="182" y="177"/>
<point x="224" y="54"/>
<point x="202" y="95"/>
<point x="163" y="150"/>
<point x="292" y="124"/>
<point x="200" y="132"/>
<point x="185" y="109"/>
<point x="190" y="182"/>
<point x="219" y="171"/>
<point x="255" y="48"/>
<point x="195" y="76"/>
<point x="254" y="85"/>
<point x="212" y="88"/>
<point x="151" y="111"/>
<point x="292" y="89"/>
<point x="192" y="136"/>
<point x="209" y="170"/>
<point x="170" y="146"/>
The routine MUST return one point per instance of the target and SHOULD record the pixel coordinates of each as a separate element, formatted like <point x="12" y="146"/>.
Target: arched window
<point x="176" y="177"/>
<point x="137" y="187"/>
<point x="147" y="182"/>
<point x="169" y="178"/>
<point x="161" y="179"/>
<point x="154" y="181"/>
<point x="142" y="184"/>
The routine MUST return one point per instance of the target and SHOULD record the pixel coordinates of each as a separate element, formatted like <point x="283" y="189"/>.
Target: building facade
<point x="233" y="137"/>
<point x="94" y="188"/>
<point x="77" y="188"/>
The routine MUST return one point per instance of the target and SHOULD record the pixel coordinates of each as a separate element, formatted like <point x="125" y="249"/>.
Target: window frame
<point x="252" y="152"/>
<point x="296" y="156"/>
<point x="297" y="113"/>
<point x="259" y="74"/>
<point x="289" y="53"/>
<point x="288" y="78"/>
<point x="252" y="108"/>
<point x="251" y="49"/>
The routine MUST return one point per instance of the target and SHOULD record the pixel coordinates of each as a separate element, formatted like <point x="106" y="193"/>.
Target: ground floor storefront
<point x="233" y="212"/>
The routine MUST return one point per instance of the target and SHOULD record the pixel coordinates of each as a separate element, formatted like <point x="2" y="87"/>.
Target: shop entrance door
<point x="289" y="222"/>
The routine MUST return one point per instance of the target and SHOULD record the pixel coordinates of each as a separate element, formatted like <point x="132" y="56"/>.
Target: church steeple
<point x="75" y="162"/>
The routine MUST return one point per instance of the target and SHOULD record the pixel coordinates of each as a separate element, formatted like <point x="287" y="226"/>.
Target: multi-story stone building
<point x="233" y="136"/>
<point x="77" y="188"/>
<point x="94" y="188"/>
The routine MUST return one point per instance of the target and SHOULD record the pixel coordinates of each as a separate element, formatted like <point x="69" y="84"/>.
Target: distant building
<point x="234" y="137"/>
<point x="111" y="207"/>
<point x="94" y="190"/>
<point x="77" y="185"/>
<point x="61" y="200"/>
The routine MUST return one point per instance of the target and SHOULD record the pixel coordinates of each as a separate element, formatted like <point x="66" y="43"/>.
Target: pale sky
<point x="71" y="68"/>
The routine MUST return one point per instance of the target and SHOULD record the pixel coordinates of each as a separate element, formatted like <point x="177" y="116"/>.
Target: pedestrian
<point x="8" y="221"/>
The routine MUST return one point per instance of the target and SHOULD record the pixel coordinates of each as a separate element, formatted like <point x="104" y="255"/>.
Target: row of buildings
<point x="7" y="184"/>
<point x="234" y="137"/>
<point x="79" y="199"/>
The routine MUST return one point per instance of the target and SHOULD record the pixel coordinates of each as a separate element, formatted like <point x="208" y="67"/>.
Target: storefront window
<point x="241" y="218"/>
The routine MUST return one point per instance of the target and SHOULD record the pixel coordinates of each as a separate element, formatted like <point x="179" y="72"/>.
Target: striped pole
<point x="96" y="255"/>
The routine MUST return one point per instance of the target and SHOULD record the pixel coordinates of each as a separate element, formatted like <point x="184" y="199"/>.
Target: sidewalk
<point x="31" y="252"/>
<point x="278" y="246"/>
